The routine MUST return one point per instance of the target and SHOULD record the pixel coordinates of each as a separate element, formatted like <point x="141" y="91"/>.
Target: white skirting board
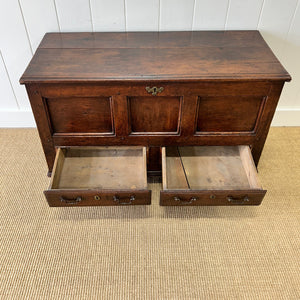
<point x="24" y="118"/>
<point x="16" y="118"/>
<point x="286" y="117"/>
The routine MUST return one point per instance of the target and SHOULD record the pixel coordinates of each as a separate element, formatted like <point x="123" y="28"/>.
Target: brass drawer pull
<point x="119" y="201"/>
<point x="154" y="90"/>
<point x="70" y="201"/>
<point x="192" y="199"/>
<point x="240" y="200"/>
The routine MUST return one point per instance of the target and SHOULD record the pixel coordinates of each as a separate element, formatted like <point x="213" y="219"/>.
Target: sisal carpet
<point x="148" y="252"/>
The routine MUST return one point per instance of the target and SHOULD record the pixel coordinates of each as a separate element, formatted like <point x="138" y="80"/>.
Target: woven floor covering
<point x="148" y="252"/>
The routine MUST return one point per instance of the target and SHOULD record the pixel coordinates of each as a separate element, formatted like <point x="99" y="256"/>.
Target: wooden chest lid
<point x="153" y="56"/>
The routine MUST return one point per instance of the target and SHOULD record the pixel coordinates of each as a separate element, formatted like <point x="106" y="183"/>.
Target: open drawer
<point x="209" y="175"/>
<point x="92" y="176"/>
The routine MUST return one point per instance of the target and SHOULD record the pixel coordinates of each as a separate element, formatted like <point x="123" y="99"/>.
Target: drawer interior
<point x="111" y="168"/>
<point x="209" y="168"/>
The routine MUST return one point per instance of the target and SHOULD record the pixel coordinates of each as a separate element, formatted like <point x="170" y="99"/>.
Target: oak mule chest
<point x="114" y="108"/>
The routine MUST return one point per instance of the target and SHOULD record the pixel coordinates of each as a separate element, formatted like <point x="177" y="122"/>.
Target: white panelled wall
<point x="23" y="23"/>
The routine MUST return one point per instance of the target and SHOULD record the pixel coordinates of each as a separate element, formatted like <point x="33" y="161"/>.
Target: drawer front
<point x="211" y="198"/>
<point x="69" y="198"/>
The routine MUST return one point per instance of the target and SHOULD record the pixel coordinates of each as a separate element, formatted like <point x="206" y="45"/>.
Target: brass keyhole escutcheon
<point x="97" y="197"/>
<point x="154" y="90"/>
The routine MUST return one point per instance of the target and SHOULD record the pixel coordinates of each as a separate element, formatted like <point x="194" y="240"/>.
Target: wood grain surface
<point x="102" y="168"/>
<point x="68" y="57"/>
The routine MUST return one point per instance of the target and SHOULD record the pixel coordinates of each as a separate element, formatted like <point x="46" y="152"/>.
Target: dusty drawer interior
<point x="209" y="175"/>
<point x="99" y="176"/>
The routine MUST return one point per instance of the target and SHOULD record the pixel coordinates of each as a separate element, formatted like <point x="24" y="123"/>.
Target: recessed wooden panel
<point x="154" y="114"/>
<point x="83" y="115"/>
<point x="228" y="113"/>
